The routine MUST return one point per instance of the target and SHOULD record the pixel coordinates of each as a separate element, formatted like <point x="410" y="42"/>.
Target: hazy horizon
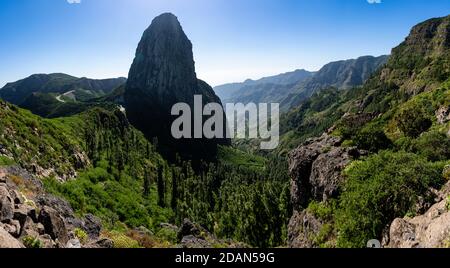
<point x="233" y="40"/>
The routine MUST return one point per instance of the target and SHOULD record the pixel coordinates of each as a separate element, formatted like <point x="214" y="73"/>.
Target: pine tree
<point x="161" y="188"/>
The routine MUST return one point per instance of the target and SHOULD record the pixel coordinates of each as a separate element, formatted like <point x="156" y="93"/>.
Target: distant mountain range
<point x="74" y="88"/>
<point x="291" y="88"/>
<point x="236" y="90"/>
<point x="58" y="94"/>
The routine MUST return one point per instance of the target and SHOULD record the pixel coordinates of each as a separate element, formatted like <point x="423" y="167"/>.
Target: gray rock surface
<point x="430" y="230"/>
<point x="8" y="241"/>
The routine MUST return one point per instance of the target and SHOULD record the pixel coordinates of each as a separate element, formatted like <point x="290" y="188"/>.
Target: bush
<point x="378" y="190"/>
<point x="81" y="235"/>
<point x="435" y="146"/>
<point x="6" y="161"/>
<point x="413" y="120"/>
<point x="323" y="211"/>
<point x="121" y="240"/>
<point x="168" y="235"/>
<point x="372" y="138"/>
<point x="31" y="242"/>
<point x="446" y="172"/>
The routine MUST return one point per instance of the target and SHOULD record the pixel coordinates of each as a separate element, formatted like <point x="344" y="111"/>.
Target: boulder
<point x="6" y="205"/>
<point x="30" y="228"/>
<point x="8" y="241"/>
<point x="47" y="241"/>
<point x="60" y="205"/>
<point x="54" y="224"/>
<point x="73" y="243"/>
<point x="12" y="227"/>
<point x="188" y="228"/>
<point x="17" y="197"/>
<point x="101" y="243"/>
<point x="92" y="225"/>
<point x="443" y="114"/>
<point x="430" y="230"/>
<point x="22" y="212"/>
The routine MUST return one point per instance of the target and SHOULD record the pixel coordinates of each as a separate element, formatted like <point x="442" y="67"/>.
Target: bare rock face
<point x="303" y="226"/>
<point x="163" y="74"/>
<point x="430" y="230"/>
<point x="315" y="169"/>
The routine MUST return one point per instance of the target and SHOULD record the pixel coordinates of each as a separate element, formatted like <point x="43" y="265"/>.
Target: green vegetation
<point x="448" y="203"/>
<point x="6" y="161"/>
<point x="81" y="235"/>
<point x="121" y="240"/>
<point x="413" y="120"/>
<point x="379" y="189"/>
<point x="31" y="242"/>
<point x="372" y="139"/>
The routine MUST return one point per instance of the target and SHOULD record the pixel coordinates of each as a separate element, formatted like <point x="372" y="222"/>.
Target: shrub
<point x="446" y="172"/>
<point x="372" y="138"/>
<point x="413" y="120"/>
<point x="168" y="235"/>
<point x="323" y="211"/>
<point x="121" y="240"/>
<point x="6" y="161"/>
<point x="448" y="203"/>
<point x="81" y="235"/>
<point x="31" y="242"/>
<point x="433" y="145"/>
<point x="378" y="190"/>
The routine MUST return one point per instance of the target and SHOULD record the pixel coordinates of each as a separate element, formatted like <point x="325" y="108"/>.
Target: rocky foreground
<point x="31" y="218"/>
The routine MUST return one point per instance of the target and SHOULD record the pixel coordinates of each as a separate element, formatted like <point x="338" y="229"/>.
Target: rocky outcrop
<point x="430" y="230"/>
<point x="163" y="74"/>
<point x="315" y="169"/>
<point x="42" y="219"/>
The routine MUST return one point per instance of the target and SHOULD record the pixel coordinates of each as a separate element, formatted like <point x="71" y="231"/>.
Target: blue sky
<point x="233" y="39"/>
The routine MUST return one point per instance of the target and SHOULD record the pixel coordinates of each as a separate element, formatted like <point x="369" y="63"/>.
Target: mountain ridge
<point x="341" y="74"/>
<point x="58" y="83"/>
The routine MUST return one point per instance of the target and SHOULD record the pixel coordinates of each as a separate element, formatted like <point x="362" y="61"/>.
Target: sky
<point x="233" y="39"/>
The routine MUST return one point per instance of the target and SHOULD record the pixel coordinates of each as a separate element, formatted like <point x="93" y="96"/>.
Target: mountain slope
<point x="237" y="91"/>
<point x="290" y="89"/>
<point x="58" y="83"/>
<point x="341" y="75"/>
<point x="384" y="153"/>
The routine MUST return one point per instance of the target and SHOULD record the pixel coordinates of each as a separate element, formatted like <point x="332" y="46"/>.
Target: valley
<point x="364" y="154"/>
